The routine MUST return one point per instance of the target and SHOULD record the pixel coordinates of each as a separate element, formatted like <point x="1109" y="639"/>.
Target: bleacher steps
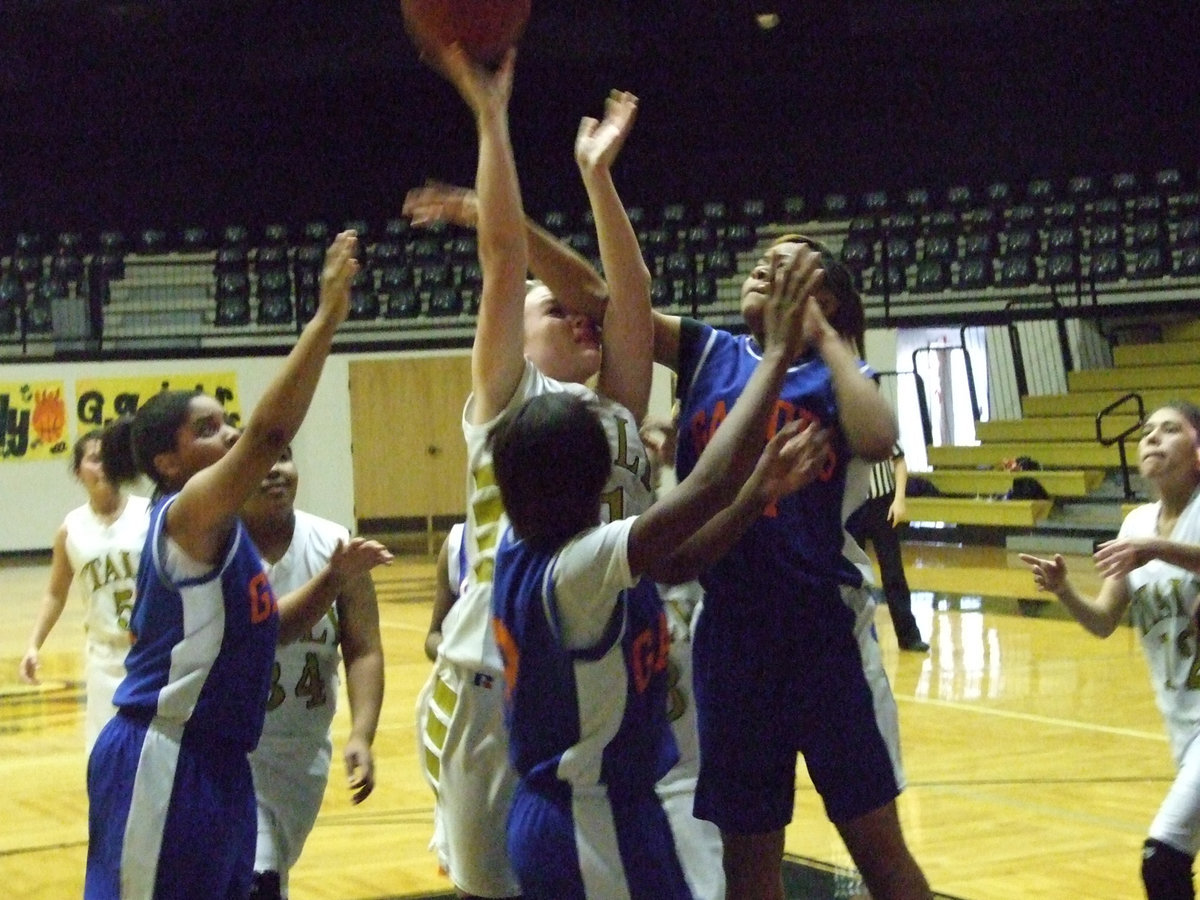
<point x="1165" y="353"/>
<point x="1052" y="428"/>
<point x="1048" y="454"/>
<point x="971" y="511"/>
<point x="1131" y="378"/>
<point x="1088" y="403"/>
<point x="997" y="482"/>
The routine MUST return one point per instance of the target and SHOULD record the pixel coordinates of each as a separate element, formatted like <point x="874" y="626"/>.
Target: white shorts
<point x="1177" y="823"/>
<point x="104" y="670"/>
<point x="290" y="776"/>
<point x="463" y="752"/>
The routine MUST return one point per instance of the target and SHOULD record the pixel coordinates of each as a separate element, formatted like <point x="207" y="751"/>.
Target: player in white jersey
<point x="526" y="343"/>
<point x="450" y="575"/>
<point x="291" y="763"/>
<point x="583" y="631"/>
<point x="98" y="547"/>
<point x="1152" y="570"/>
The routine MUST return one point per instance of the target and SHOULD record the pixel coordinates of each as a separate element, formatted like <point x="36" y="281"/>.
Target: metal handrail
<point x="1119" y="439"/>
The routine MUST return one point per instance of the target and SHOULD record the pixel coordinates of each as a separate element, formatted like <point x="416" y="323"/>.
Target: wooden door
<point x="409" y="457"/>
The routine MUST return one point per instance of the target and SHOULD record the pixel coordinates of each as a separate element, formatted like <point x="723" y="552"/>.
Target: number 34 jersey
<point x="304" y="679"/>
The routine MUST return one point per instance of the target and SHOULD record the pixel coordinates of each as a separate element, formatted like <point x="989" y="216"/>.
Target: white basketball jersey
<point x="467" y="630"/>
<point x="104" y="558"/>
<point x="304" y="683"/>
<point x="1163" y="610"/>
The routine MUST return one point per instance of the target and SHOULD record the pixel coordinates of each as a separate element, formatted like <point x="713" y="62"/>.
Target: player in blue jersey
<point x="582" y="628"/>
<point x="172" y="811"/>
<point x="785" y="614"/>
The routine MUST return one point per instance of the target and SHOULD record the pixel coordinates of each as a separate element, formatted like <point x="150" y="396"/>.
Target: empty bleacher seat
<point x="152" y="241"/>
<point x="714" y="213"/>
<point x="932" y="275"/>
<point x="720" y="262"/>
<point x="1022" y="215"/>
<point x="893" y="280"/>
<point x="235" y="236"/>
<point x="38" y="315"/>
<point x="1148" y="262"/>
<point x="978" y="244"/>
<point x="942" y="221"/>
<point x="1021" y="241"/>
<point x="898" y="251"/>
<point x="660" y="292"/>
<point x="833" y="206"/>
<point x="1106" y="265"/>
<point x="400" y="302"/>
<point x="1168" y="182"/>
<point x="858" y="254"/>
<point x="316" y="232"/>
<point x="364" y="302"/>
<point x="741" y="236"/>
<point x="701" y="238"/>
<point x="975" y="273"/>
<point x="1108" y="209"/>
<point x="998" y="194"/>
<point x="195" y="239"/>
<point x="903" y="224"/>
<point x="271" y="256"/>
<point x="12" y="299"/>
<point x="445" y="301"/>
<point x="1147" y="233"/>
<point x="980" y="218"/>
<point x="431" y="274"/>
<point x="873" y="204"/>
<point x="1081" y="188"/>
<point x="704" y="290"/>
<point x="396" y="230"/>
<point x="1106" y="235"/>
<point x="1062" y="268"/>
<point x="1062" y="239"/>
<point x="275" y="235"/>
<point x="1017" y="270"/>
<point x="1187" y="262"/>
<point x="940" y="247"/>
<point x="1040" y="192"/>
<point x="959" y="197"/>
<point x="554" y="221"/>
<point x="1063" y="212"/>
<point x="274" y="292"/>
<point x="753" y="211"/>
<point x="1125" y="185"/>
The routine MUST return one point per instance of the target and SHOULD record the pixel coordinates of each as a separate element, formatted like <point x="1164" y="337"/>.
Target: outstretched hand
<point x="440" y="202"/>
<point x="486" y="90"/>
<point x="790" y="309"/>
<point x="598" y="142"/>
<point x="357" y="558"/>
<point x="29" y="666"/>
<point x="338" y="272"/>
<point x="1048" y="574"/>
<point x="793" y="458"/>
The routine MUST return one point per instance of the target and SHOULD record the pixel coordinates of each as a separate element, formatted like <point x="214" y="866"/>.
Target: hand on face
<point x="790" y="312"/>
<point x="438" y="202"/>
<point x="598" y="142"/>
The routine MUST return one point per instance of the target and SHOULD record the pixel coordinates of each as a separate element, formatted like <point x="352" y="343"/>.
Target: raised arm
<point x="497" y="357"/>
<point x="570" y="277"/>
<point x="627" y="336"/>
<point x="731" y="456"/>
<point x="362" y="651"/>
<point x="865" y="416"/>
<point x="54" y="600"/>
<point x="301" y="609"/>
<point x="200" y="519"/>
<point x="1100" y="614"/>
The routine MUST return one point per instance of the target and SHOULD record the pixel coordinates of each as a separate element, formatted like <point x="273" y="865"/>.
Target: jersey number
<point x="310" y="684"/>
<point x="123" y="599"/>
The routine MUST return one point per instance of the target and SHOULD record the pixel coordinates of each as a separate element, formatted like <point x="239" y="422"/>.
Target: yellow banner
<point x="33" y="421"/>
<point x="100" y="400"/>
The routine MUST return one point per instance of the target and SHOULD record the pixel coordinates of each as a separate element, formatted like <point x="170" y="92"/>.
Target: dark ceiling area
<point x="180" y="111"/>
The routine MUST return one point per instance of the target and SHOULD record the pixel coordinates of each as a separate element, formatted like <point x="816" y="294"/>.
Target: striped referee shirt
<point x="883" y="475"/>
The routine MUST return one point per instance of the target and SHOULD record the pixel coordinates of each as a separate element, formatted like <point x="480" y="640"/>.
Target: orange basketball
<point x="484" y="28"/>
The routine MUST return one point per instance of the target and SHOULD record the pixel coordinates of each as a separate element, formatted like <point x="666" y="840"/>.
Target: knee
<point x="1166" y="872"/>
<point x="266" y="886"/>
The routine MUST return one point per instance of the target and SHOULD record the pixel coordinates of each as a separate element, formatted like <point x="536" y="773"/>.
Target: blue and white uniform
<point x="169" y="784"/>
<point x="786" y="615"/>
<point x="463" y="742"/>
<point x="585" y="648"/>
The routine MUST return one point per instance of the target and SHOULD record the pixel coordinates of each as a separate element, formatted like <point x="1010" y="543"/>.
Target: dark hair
<point x="80" y="447"/>
<point x="1188" y="410"/>
<point x="130" y="443"/>
<point x="551" y="458"/>
<point x="849" y="320"/>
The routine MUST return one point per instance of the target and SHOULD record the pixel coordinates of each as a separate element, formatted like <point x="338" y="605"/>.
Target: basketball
<point x="484" y="28"/>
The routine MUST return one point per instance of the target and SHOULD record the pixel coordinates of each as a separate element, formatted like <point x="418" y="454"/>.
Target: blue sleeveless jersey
<point x="202" y="647"/>
<point x="583" y="717"/>
<point x="797" y="544"/>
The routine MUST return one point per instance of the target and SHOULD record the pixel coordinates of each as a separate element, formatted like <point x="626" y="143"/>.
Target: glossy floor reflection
<point x="1034" y="753"/>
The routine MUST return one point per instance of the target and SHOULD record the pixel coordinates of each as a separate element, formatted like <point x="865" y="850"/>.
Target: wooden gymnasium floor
<point x="1034" y="753"/>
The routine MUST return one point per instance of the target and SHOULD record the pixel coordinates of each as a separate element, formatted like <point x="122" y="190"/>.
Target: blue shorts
<point x="167" y="814"/>
<point x="779" y="676"/>
<point x="570" y="846"/>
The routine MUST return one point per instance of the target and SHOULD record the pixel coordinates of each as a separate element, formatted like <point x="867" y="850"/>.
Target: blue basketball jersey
<point x="799" y="542"/>
<point x="203" y="647"/>
<point x="589" y="716"/>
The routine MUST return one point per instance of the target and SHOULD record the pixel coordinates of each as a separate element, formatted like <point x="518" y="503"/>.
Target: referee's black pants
<point x="870" y="521"/>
